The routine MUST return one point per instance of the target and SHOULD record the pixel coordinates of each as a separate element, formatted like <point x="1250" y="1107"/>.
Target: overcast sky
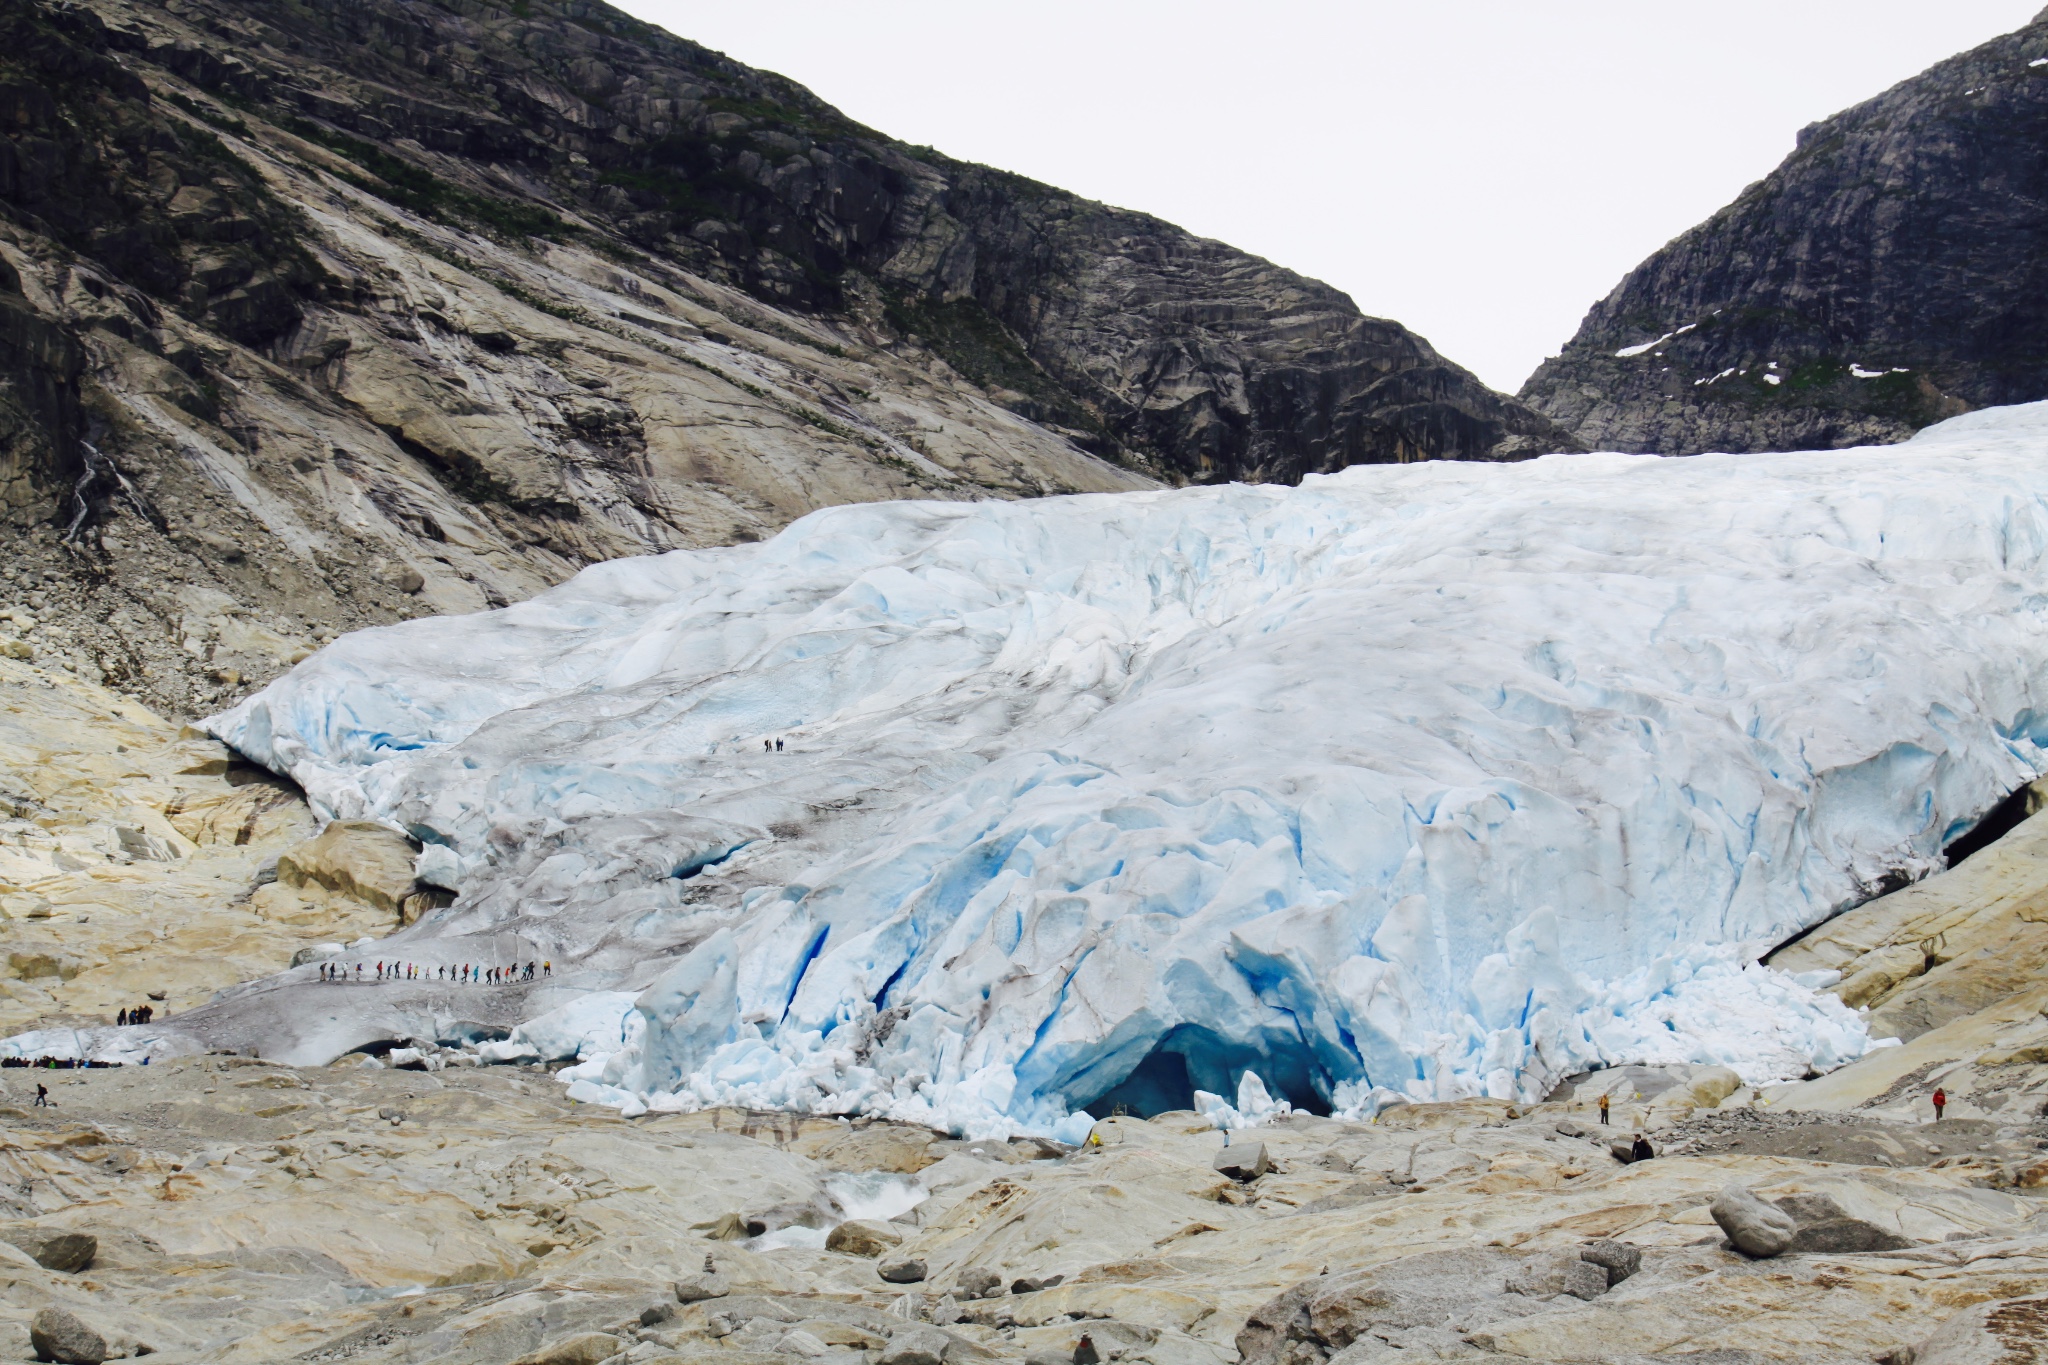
<point x="1482" y="170"/>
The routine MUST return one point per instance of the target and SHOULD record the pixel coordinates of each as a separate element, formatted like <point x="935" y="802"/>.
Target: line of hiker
<point x="467" y="974"/>
<point x="137" y="1014"/>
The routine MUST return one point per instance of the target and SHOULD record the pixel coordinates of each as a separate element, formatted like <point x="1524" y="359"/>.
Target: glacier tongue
<point x="1424" y="781"/>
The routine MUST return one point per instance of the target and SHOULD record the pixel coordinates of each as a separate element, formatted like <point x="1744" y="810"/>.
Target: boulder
<point x="2002" y="1332"/>
<point x="863" y="1237"/>
<point x="57" y="1335"/>
<point x="1031" y="1284"/>
<point x="69" y="1252"/>
<point x="908" y="1270"/>
<point x="1618" y="1259"/>
<point x="1710" y="1085"/>
<point x="915" y="1345"/>
<point x="1584" y="1280"/>
<point x="1243" y="1161"/>
<point x="708" y="1284"/>
<point x="978" y="1282"/>
<point x="946" y="1311"/>
<point x="1825" y="1226"/>
<point x="1755" y="1227"/>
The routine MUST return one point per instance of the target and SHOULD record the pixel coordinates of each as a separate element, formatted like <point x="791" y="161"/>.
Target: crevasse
<point x="1426" y="781"/>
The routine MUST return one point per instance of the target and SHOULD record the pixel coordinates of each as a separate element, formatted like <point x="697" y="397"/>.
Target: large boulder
<point x="1243" y="1161"/>
<point x="707" y="1284"/>
<point x="69" y="1252"/>
<point x="915" y="1345"/>
<point x="908" y="1270"/>
<point x="863" y="1237"/>
<point x="57" y="1335"/>
<point x="1618" y="1259"/>
<point x="1756" y="1227"/>
<point x="1823" y="1225"/>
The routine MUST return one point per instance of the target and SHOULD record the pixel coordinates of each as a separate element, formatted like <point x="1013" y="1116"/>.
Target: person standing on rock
<point x="1940" y="1102"/>
<point x="1640" y="1150"/>
<point x="1603" y="1109"/>
<point x="121" y="1019"/>
<point x="42" y="1095"/>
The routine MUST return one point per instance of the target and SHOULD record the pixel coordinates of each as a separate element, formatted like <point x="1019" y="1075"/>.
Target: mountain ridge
<point x="318" y="316"/>
<point x="1886" y="275"/>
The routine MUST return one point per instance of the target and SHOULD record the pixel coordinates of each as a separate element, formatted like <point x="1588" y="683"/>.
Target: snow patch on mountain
<point x="1417" y="781"/>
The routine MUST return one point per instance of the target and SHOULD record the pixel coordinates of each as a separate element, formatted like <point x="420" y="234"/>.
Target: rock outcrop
<point x="137" y="862"/>
<point x="313" y="316"/>
<point x="1886" y="275"/>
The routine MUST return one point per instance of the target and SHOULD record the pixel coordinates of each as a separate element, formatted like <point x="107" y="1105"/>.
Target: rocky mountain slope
<point x="1891" y="272"/>
<point x="313" y="316"/>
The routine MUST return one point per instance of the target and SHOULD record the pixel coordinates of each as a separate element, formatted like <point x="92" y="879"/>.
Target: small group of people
<point x="468" y="974"/>
<point x="137" y="1014"/>
<point x="57" y="1063"/>
<point x="1639" y="1150"/>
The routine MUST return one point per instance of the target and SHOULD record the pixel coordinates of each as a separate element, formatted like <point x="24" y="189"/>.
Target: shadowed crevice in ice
<point x="1432" y="780"/>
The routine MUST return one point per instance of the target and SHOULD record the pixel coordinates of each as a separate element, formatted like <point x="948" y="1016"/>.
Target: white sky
<point x="1481" y="170"/>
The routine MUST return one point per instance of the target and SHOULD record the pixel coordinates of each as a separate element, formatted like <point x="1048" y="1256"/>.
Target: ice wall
<point x="1437" y="779"/>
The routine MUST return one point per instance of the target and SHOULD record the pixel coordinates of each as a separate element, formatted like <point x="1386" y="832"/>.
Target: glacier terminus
<point x="1412" y="782"/>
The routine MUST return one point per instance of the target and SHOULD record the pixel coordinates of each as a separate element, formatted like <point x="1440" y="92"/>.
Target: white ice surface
<point x="1438" y="779"/>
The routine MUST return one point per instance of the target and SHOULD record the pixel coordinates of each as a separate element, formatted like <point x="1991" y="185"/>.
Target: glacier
<point x="1412" y="782"/>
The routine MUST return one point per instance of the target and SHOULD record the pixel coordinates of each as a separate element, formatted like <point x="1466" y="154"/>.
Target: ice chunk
<point x="1409" y="783"/>
<point x="598" y="1024"/>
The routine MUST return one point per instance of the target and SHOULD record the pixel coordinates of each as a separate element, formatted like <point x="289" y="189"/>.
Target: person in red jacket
<point x="1940" y="1101"/>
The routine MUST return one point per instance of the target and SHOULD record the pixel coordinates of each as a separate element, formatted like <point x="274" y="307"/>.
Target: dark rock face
<point x="1890" y="273"/>
<point x="57" y="1335"/>
<point x="1141" y="340"/>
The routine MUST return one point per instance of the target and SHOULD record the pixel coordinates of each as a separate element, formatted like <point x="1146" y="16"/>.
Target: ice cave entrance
<point x="2001" y="820"/>
<point x="1191" y="1058"/>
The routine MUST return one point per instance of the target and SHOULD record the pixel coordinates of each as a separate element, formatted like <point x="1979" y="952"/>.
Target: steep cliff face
<point x="1892" y="272"/>
<point x="316" y="315"/>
